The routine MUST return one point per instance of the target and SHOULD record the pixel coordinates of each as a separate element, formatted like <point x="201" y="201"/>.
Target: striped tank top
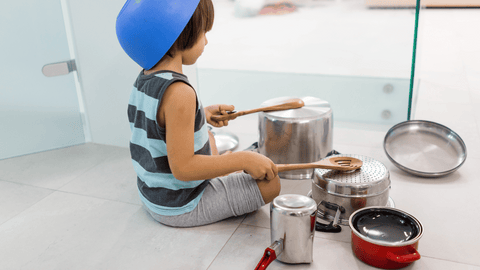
<point x="159" y="190"/>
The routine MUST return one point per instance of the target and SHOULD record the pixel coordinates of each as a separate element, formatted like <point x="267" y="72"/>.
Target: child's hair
<point x="201" y="20"/>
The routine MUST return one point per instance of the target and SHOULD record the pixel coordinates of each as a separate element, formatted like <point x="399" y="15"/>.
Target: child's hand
<point x="220" y="109"/>
<point x="260" y="167"/>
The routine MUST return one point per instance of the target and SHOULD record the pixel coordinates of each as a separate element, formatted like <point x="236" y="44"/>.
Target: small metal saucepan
<point x="292" y="228"/>
<point x="385" y="237"/>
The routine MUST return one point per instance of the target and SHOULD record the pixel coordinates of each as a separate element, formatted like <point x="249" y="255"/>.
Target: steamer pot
<point x="300" y="135"/>
<point x="340" y="193"/>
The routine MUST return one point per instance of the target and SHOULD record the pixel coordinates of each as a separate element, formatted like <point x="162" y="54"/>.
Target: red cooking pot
<point x="385" y="237"/>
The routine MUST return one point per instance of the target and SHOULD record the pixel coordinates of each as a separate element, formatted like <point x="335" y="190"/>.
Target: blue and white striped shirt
<point x="159" y="190"/>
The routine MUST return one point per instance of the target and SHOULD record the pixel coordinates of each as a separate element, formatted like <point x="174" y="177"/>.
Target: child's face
<point x="191" y="55"/>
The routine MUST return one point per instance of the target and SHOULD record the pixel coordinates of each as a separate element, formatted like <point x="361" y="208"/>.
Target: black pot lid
<point x="386" y="226"/>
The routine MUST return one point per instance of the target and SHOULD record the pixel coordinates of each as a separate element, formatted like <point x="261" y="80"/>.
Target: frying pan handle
<point x="270" y="254"/>
<point x="407" y="258"/>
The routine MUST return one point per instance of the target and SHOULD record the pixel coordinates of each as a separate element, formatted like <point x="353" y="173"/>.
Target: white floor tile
<point x="53" y="169"/>
<point x="327" y="254"/>
<point x="112" y="179"/>
<point x="442" y="81"/>
<point x="435" y="92"/>
<point x="473" y="79"/>
<point x="67" y="231"/>
<point x="15" y="198"/>
<point x="458" y="117"/>
<point x="446" y="207"/>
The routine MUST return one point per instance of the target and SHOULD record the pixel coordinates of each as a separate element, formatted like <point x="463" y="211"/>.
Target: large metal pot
<point x="300" y="135"/>
<point x="340" y="193"/>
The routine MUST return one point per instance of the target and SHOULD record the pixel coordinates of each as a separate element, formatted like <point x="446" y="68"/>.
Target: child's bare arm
<point x="178" y="113"/>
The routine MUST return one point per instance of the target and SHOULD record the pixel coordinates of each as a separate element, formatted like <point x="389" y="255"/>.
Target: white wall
<point x="106" y="73"/>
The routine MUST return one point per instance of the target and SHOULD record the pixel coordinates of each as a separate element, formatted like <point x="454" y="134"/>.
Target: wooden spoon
<point x="334" y="163"/>
<point x="293" y="103"/>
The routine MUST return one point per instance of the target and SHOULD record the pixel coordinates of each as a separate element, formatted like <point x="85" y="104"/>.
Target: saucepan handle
<point x="270" y="254"/>
<point x="404" y="258"/>
<point x="268" y="257"/>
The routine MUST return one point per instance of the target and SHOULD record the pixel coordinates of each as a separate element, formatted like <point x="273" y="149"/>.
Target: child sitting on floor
<point x="180" y="182"/>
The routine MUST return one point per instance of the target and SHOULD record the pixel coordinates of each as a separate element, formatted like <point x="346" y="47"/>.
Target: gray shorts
<point x="232" y="195"/>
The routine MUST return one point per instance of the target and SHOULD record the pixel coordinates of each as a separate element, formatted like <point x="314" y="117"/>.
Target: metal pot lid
<point x="314" y="108"/>
<point x="294" y="205"/>
<point x="224" y="140"/>
<point x="371" y="179"/>
<point x="424" y="148"/>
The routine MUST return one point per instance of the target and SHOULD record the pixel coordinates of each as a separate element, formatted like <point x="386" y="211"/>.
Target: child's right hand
<point x="261" y="167"/>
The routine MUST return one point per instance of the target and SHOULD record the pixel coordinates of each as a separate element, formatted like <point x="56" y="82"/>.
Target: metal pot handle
<point x="253" y="147"/>
<point x="270" y="254"/>
<point x="333" y="227"/>
<point x="407" y="258"/>
<point x="331" y="153"/>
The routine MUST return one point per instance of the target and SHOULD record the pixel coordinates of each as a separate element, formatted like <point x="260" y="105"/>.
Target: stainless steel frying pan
<point x="425" y="148"/>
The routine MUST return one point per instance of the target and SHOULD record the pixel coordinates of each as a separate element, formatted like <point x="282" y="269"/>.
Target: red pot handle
<point x="407" y="258"/>
<point x="268" y="257"/>
<point x="276" y="248"/>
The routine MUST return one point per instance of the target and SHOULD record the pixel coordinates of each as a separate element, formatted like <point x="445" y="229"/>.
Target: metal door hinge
<point x="60" y="68"/>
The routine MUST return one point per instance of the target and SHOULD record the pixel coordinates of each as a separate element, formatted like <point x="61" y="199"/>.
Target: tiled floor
<point x="77" y="207"/>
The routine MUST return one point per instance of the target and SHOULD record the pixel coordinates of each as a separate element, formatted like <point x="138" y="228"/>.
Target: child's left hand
<point x="219" y="109"/>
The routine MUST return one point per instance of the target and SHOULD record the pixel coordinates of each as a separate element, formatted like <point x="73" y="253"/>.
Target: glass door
<point x="355" y="54"/>
<point x="37" y="112"/>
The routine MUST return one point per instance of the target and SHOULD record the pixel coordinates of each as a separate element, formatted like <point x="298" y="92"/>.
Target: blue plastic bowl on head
<point x="146" y="29"/>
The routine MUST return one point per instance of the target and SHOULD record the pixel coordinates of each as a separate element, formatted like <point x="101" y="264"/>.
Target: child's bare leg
<point x="269" y="189"/>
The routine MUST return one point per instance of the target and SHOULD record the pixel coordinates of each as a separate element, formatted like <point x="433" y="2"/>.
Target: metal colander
<point x="371" y="179"/>
<point x="340" y="193"/>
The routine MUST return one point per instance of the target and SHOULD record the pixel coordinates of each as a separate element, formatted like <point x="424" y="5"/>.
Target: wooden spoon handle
<point x="291" y="167"/>
<point x="291" y="104"/>
<point x="227" y="116"/>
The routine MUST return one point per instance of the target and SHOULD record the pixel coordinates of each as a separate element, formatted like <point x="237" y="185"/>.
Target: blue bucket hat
<point x="146" y="29"/>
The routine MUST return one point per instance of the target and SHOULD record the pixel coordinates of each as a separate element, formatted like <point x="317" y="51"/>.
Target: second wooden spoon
<point x="293" y="103"/>
<point x="334" y="163"/>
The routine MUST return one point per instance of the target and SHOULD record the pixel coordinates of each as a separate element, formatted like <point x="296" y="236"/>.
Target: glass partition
<point x="37" y="113"/>
<point x="355" y="54"/>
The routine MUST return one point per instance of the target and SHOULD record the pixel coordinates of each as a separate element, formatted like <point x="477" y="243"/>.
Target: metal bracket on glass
<point x="60" y="68"/>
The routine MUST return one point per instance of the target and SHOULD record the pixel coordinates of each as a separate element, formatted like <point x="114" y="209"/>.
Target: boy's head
<point x="150" y="29"/>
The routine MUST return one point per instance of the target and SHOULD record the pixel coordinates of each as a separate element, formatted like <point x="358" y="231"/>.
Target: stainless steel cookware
<point x="224" y="140"/>
<point x="340" y="193"/>
<point x="292" y="228"/>
<point x="300" y="135"/>
<point x="385" y="237"/>
<point x="424" y="148"/>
